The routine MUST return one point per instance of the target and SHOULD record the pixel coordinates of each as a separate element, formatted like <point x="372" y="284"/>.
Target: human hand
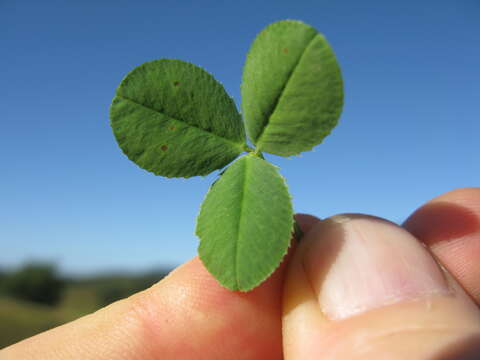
<point x="357" y="287"/>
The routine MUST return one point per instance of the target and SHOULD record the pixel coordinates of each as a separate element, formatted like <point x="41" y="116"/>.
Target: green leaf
<point x="292" y="90"/>
<point x="174" y="119"/>
<point x="245" y="224"/>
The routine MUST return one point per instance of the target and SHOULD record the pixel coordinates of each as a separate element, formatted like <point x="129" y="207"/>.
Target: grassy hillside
<point x="20" y="319"/>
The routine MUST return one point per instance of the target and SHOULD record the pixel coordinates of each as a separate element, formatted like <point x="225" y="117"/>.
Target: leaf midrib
<point x="240" y="217"/>
<point x="240" y="146"/>
<point x="282" y="91"/>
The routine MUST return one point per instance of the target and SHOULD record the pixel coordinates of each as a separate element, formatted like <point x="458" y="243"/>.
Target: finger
<point x="360" y="287"/>
<point x="188" y="315"/>
<point x="450" y="226"/>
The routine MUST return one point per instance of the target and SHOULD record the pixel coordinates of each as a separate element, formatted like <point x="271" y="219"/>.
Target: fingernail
<point x="359" y="263"/>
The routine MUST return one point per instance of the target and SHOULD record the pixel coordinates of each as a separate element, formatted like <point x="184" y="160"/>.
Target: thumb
<point x="360" y="287"/>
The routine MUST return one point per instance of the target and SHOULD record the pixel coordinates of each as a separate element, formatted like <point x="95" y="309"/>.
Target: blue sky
<point x="409" y="130"/>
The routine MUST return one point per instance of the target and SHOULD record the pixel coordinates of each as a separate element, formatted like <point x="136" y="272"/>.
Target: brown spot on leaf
<point x="285" y="51"/>
<point x="176" y="83"/>
<point x="164" y="147"/>
<point x="172" y="128"/>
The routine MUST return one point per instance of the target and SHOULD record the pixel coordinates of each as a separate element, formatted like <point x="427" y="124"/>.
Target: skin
<point x="188" y="315"/>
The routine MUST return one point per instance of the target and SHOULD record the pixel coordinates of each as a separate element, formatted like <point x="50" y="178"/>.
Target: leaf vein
<point x="271" y="111"/>
<point x="240" y="217"/>
<point x="228" y="141"/>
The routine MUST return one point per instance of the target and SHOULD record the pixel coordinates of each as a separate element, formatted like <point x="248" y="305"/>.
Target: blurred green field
<point x="20" y="319"/>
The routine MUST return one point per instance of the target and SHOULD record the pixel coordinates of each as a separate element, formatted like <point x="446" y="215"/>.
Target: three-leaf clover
<point x="174" y="119"/>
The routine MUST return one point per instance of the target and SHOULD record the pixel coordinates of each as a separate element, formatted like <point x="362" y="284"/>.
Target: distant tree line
<point x="41" y="283"/>
<point x="35" y="282"/>
<point x="110" y="288"/>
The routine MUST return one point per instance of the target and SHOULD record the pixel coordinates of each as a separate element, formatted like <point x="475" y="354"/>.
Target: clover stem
<point x="297" y="231"/>
<point x="259" y="154"/>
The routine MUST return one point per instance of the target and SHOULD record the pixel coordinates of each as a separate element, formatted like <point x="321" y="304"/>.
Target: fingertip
<point x="306" y="221"/>
<point x="191" y="304"/>
<point x="452" y="215"/>
<point x="450" y="225"/>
